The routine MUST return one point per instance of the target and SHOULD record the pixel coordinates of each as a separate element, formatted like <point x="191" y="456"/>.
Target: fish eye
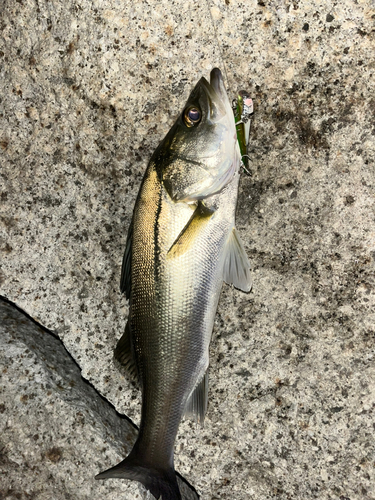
<point x="192" y="116"/>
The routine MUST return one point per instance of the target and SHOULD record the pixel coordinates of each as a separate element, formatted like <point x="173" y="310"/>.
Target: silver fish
<point x="182" y="244"/>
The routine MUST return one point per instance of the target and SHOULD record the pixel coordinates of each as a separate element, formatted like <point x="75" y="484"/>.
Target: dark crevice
<point x="89" y="384"/>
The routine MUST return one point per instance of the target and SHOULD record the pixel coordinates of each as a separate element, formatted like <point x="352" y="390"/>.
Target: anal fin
<point x="236" y="265"/>
<point x="196" y="405"/>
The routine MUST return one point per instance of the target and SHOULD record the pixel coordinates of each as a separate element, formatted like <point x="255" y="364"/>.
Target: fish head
<point x="200" y="154"/>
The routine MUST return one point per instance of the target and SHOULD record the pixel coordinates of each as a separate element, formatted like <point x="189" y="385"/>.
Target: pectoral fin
<point x="196" y="405"/>
<point x="236" y="265"/>
<point x="191" y="231"/>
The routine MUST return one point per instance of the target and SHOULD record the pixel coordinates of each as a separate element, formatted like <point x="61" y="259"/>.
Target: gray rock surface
<point x="56" y="432"/>
<point x="88" y="89"/>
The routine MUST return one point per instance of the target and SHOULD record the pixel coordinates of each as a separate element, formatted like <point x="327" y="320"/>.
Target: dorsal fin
<point x="126" y="270"/>
<point x="124" y="352"/>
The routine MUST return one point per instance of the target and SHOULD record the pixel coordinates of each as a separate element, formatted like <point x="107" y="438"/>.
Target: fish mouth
<point x="217" y="82"/>
<point x="214" y="88"/>
<point x="218" y="103"/>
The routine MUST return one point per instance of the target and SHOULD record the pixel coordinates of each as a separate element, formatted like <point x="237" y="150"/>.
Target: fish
<point x="182" y="245"/>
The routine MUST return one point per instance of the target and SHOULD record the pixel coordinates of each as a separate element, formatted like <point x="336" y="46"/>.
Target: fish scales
<point x="181" y="246"/>
<point x="172" y="318"/>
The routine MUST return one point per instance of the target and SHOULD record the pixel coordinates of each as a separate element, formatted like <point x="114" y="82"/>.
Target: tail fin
<point x="162" y="484"/>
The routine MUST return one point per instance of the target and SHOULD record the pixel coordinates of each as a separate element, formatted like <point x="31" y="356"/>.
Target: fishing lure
<point x="243" y="109"/>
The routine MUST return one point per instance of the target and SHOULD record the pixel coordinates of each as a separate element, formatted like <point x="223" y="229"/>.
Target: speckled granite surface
<point x="87" y="92"/>
<point x="54" y="428"/>
<point x="56" y="431"/>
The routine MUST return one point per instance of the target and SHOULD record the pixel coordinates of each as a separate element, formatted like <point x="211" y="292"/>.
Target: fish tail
<point x="161" y="483"/>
